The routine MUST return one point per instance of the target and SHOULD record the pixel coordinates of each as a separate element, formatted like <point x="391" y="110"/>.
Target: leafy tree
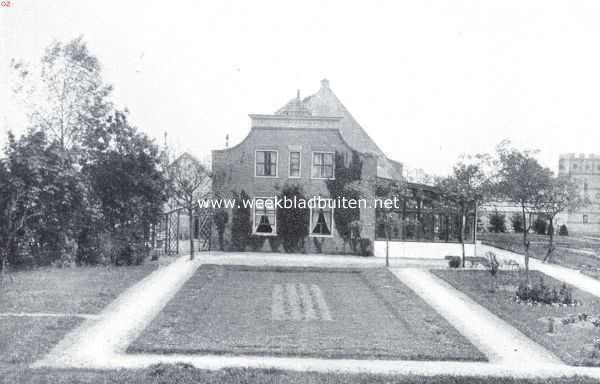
<point x="292" y="223"/>
<point x="561" y="194"/>
<point x="497" y="222"/>
<point x="64" y="95"/>
<point x="126" y="180"/>
<point x="522" y="181"/>
<point x="516" y="221"/>
<point x="467" y="186"/>
<point x="189" y="182"/>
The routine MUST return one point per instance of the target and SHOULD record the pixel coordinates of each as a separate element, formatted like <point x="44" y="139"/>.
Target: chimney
<point x="325" y="83"/>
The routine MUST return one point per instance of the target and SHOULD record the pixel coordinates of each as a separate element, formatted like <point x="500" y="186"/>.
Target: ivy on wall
<point x="241" y="225"/>
<point x="292" y="223"/>
<point x="342" y="187"/>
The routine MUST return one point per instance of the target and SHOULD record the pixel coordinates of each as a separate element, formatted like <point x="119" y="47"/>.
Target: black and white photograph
<point x="290" y="192"/>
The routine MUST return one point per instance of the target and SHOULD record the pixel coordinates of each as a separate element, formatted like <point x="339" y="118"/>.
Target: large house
<point x="300" y="144"/>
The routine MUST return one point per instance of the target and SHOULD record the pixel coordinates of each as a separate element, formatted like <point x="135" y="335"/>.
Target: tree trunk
<point x="462" y="235"/>
<point x="551" y="243"/>
<point x="525" y="243"/>
<point x="191" y="222"/>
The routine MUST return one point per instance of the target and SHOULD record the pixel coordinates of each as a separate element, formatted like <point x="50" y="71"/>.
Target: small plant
<point x="497" y="222"/>
<point x="493" y="267"/>
<point x="318" y="241"/>
<point x="540" y="226"/>
<point x="275" y="243"/>
<point x="256" y="242"/>
<point x="517" y="223"/>
<point x="563" y="231"/>
<point x="540" y="293"/>
<point x="365" y="247"/>
<point x="454" y="262"/>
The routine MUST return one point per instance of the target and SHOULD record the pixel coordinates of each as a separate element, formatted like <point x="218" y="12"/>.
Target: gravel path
<point x="499" y="341"/>
<point x="100" y="343"/>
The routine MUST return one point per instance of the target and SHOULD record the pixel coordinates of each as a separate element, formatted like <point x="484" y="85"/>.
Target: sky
<point x="428" y="80"/>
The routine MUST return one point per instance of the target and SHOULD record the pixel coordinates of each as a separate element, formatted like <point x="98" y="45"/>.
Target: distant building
<point x="585" y="170"/>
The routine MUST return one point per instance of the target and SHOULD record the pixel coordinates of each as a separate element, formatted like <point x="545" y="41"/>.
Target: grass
<point x="571" y="342"/>
<point x="573" y="252"/>
<point x="182" y="374"/>
<point x="229" y="309"/>
<point x="84" y="290"/>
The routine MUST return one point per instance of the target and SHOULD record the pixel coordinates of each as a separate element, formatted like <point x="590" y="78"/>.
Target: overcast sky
<point x="428" y="80"/>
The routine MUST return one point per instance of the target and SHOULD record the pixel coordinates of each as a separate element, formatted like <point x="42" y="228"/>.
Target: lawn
<point x="168" y="374"/>
<point x="572" y="342"/>
<point x="571" y="251"/>
<point x="321" y="312"/>
<point x="84" y="290"/>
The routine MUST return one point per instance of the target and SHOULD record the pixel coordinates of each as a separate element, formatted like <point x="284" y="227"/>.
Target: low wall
<point x="421" y="250"/>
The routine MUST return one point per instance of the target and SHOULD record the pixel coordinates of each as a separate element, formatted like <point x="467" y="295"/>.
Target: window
<point x="265" y="217"/>
<point x="585" y="219"/>
<point x="322" y="165"/>
<point x="585" y="186"/>
<point x="321" y="220"/>
<point x="294" y="164"/>
<point x="266" y="163"/>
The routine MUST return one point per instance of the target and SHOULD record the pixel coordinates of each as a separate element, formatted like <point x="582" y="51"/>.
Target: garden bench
<point x="474" y="261"/>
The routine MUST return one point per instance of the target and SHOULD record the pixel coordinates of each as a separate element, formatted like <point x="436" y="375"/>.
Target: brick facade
<point x="297" y="127"/>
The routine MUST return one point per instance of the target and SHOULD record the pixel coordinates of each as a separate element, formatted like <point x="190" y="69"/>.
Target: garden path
<point x="100" y="343"/>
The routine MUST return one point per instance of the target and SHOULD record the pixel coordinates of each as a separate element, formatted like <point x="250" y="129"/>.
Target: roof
<point x="325" y="103"/>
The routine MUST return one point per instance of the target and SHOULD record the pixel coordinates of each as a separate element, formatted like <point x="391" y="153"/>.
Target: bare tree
<point x="466" y="187"/>
<point x="561" y="194"/>
<point x="189" y="182"/>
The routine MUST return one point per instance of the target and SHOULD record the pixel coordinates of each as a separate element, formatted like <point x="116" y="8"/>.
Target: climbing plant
<point x="241" y="226"/>
<point x="342" y="186"/>
<point x="292" y="223"/>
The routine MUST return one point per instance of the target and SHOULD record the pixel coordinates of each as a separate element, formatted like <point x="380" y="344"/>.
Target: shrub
<point x="539" y="226"/>
<point x="563" y="231"/>
<point x="365" y="247"/>
<point x="275" y="243"/>
<point x="454" y="262"/>
<point x="497" y="222"/>
<point x="240" y="223"/>
<point x="221" y="218"/>
<point x="256" y="242"/>
<point x="540" y="293"/>
<point x="517" y="223"/>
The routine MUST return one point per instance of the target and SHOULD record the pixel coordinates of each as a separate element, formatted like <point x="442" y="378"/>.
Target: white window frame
<point x="273" y="225"/>
<point x="290" y="165"/>
<point x="276" y="163"/>
<point x="310" y="221"/>
<point x="312" y="165"/>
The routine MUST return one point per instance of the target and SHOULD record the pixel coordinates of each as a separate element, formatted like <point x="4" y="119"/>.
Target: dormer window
<point x="266" y="164"/>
